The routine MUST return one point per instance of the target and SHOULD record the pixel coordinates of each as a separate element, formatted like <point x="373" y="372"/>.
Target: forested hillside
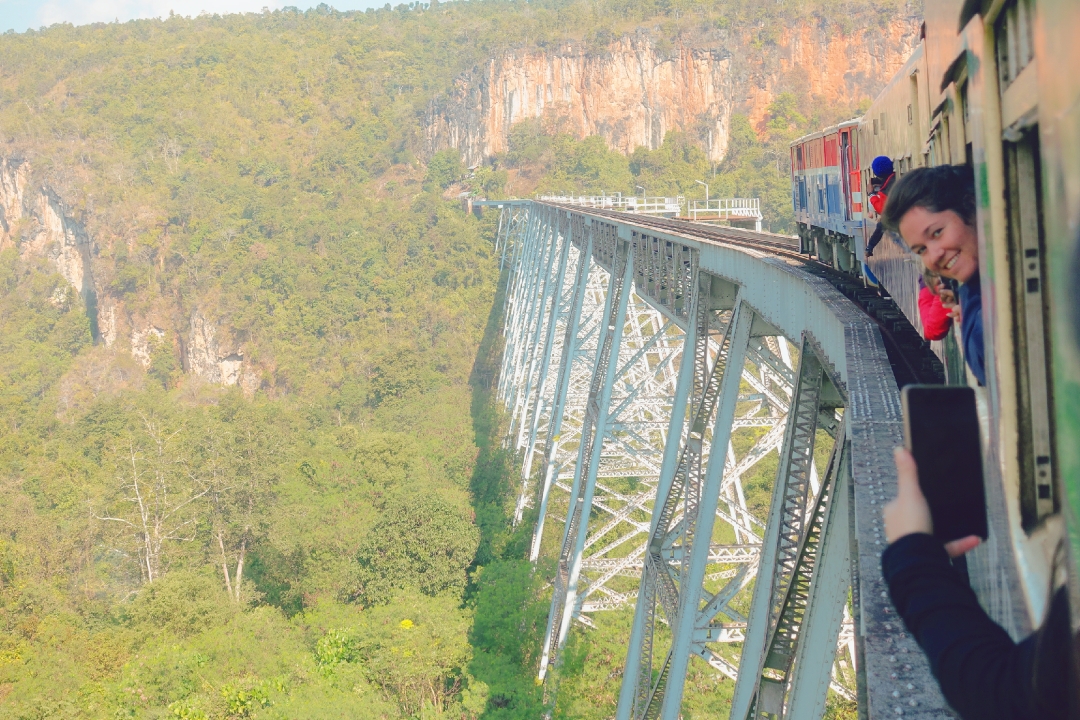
<point x="249" y="463"/>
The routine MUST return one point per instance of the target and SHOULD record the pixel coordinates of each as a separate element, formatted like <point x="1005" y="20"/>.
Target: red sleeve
<point x="935" y="318"/>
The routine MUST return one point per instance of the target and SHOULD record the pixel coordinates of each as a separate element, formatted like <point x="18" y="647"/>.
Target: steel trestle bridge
<point x="650" y="367"/>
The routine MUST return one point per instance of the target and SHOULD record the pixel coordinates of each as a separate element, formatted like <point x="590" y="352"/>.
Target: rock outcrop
<point x="632" y="95"/>
<point x="33" y="220"/>
<point x="634" y="91"/>
<point x="143" y="343"/>
<point x="207" y="358"/>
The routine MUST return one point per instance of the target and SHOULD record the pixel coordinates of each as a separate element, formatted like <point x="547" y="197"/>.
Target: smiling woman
<point x="933" y="209"/>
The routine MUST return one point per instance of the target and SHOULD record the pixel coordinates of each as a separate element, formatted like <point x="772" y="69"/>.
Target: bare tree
<point x="170" y="150"/>
<point x="157" y="497"/>
<point x="227" y="235"/>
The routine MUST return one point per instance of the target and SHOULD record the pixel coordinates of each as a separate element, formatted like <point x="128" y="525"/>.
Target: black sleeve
<point x="879" y="232"/>
<point x="983" y="674"/>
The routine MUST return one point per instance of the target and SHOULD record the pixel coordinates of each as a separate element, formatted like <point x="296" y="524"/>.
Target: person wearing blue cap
<point x="882" y="168"/>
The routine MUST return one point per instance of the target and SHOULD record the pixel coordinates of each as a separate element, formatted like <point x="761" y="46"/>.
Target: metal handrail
<point x="628" y="203"/>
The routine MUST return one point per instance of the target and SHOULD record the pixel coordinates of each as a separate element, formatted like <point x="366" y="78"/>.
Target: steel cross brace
<point x="791" y="549"/>
<point x="526" y="254"/>
<point x="569" y="411"/>
<point x="696" y="487"/>
<point x="640" y="400"/>
<point x="557" y="314"/>
<point x="514" y="217"/>
<point x="532" y="313"/>
<point x="700" y="504"/>
<point x="544" y="324"/>
<point x="564" y="599"/>
<point x="569" y="351"/>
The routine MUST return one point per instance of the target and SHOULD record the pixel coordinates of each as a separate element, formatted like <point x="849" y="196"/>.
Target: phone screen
<point x="941" y="429"/>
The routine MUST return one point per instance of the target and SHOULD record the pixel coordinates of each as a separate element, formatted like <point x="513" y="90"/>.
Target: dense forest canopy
<point x="331" y="538"/>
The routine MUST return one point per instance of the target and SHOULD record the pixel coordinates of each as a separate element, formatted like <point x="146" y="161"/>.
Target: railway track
<point x="909" y="354"/>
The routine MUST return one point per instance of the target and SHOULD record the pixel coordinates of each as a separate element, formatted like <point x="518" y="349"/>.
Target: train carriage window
<point x="1031" y="341"/>
<point x="1014" y="40"/>
<point x="946" y="140"/>
<point x="965" y="114"/>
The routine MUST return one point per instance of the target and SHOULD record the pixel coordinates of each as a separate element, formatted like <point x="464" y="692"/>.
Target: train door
<point x="1017" y="84"/>
<point x="855" y="177"/>
<point x="832" y="183"/>
<point x="794" y="184"/>
<point x="845" y="171"/>
<point x="800" y="165"/>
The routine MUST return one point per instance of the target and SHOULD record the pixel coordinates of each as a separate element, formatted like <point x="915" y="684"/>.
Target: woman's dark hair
<point x="945" y="187"/>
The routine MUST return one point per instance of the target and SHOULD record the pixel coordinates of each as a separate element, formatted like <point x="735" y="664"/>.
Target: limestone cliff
<point x="207" y="357"/>
<point x="635" y="90"/>
<point x="632" y="95"/>
<point x="33" y="220"/>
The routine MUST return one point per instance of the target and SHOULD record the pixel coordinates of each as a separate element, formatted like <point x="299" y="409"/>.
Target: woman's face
<point x="948" y="246"/>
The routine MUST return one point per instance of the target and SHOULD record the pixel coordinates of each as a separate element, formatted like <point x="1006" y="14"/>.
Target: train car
<point x="1058" y="94"/>
<point x="827" y="195"/>
<point x="993" y="84"/>
<point x="892" y="127"/>
<point x="994" y="80"/>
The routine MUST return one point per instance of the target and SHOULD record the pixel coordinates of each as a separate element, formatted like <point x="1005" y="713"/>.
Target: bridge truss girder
<point x="630" y="354"/>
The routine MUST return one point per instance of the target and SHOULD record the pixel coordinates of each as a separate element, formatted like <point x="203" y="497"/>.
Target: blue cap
<point x="882" y="166"/>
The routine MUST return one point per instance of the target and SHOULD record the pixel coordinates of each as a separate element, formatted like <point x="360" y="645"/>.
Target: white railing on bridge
<point x="730" y="209"/>
<point x="608" y="202"/>
<point x="714" y="210"/>
<point x="672" y="206"/>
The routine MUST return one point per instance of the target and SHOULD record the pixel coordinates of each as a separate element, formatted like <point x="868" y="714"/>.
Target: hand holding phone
<point x="941" y="430"/>
<point x="909" y="512"/>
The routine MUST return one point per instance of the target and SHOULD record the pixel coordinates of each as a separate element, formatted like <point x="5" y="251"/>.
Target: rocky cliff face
<point x="33" y="220"/>
<point x="631" y="95"/>
<point x="207" y="357"/>
<point x="634" y="92"/>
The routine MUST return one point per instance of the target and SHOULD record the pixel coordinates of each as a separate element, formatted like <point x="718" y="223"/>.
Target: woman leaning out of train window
<point x="933" y="209"/>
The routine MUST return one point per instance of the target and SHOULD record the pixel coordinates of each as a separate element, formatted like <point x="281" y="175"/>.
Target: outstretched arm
<point x="982" y="673"/>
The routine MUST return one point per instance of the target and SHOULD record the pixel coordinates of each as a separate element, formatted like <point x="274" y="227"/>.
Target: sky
<point x="19" y="15"/>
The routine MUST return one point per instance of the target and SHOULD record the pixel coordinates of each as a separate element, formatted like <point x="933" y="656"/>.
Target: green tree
<point x="419" y="541"/>
<point x="445" y="168"/>
<point x="164" y="367"/>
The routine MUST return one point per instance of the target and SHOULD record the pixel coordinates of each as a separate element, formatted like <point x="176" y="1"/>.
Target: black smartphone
<point x="941" y="429"/>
